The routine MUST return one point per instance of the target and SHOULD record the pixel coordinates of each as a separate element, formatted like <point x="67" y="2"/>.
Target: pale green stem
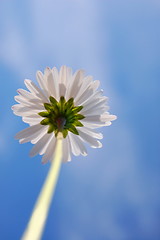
<point x="38" y="218"/>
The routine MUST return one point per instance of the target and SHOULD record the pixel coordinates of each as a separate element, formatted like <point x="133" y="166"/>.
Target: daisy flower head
<point x="64" y="102"/>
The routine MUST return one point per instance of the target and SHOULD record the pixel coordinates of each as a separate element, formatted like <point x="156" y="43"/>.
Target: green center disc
<point x="62" y="116"/>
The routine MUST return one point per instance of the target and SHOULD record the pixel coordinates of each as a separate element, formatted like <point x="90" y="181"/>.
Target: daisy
<point x="64" y="102"/>
<point x="63" y="113"/>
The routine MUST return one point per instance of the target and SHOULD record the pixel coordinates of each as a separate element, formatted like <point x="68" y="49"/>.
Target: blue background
<point x="113" y="193"/>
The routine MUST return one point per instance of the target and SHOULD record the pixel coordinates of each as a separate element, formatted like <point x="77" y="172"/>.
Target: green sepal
<point x="78" y="123"/>
<point x="77" y="109"/>
<point x="62" y="104"/>
<point x="56" y="132"/>
<point x="79" y="116"/>
<point x="51" y="128"/>
<point x="53" y="100"/>
<point x="68" y="125"/>
<point x="71" y="121"/>
<point x="69" y="103"/>
<point x="44" y="114"/>
<point x="65" y="133"/>
<point x="45" y="121"/>
<point x="62" y="100"/>
<point x="55" y="110"/>
<point x="53" y="123"/>
<point x="70" y="117"/>
<point x="48" y="106"/>
<point x="73" y="130"/>
<point x="68" y="112"/>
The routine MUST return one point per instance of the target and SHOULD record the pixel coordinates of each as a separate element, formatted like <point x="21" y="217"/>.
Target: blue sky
<point x="113" y="193"/>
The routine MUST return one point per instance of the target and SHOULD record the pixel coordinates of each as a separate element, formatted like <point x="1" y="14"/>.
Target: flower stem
<point x="38" y="218"/>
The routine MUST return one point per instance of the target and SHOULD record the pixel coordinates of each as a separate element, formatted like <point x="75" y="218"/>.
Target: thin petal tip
<point x="114" y="117"/>
<point x="27" y="80"/>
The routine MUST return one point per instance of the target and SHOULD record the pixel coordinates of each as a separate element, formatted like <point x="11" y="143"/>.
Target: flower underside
<point x="62" y="116"/>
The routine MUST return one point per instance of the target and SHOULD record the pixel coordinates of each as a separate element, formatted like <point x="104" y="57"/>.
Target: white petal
<point x="74" y="148"/>
<point x="48" y="156"/>
<point x="42" y="82"/>
<point x="65" y="79"/>
<point x="27" y="95"/>
<point x="21" y="100"/>
<point x="66" y="150"/>
<point x="77" y="145"/>
<point x="87" y="92"/>
<point x="95" y="121"/>
<point x="87" y="138"/>
<point x="29" y="131"/>
<point x="93" y="97"/>
<point x="32" y="137"/>
<point x="96" y="84"/>
<point x="40" y="145"/>
<point x="48" y="76"/>
<point x="47" y="71"/>
<point x="63" y="75"/>
<point x="93" y="125"/>
<point x="108" y="117"/>
<point x="98" y="103"/>
<point x="74" y="84"/>
<point x="32" y="121"/>
<point x="51" y="85"/>
<point x="22" y="108"/>
<point x="85" y="95"/>
<point x="94" y="111"/>
<point x="26" y="113"/>
<point x="55" y="82"/>
<point x="85" y="84"/>
<point x="92" y="102"/>
<point x="98" y="120"/>
<point x="41" y="134"/>
<point x="29" y="102"/>
<point x="69" y="75"/>
<point x="35" y="90"/>
<point x="44" y="149"/>
<point x="16" y="107"/>
<point x="62" y="80"/>
<point x="92" y="133"/>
